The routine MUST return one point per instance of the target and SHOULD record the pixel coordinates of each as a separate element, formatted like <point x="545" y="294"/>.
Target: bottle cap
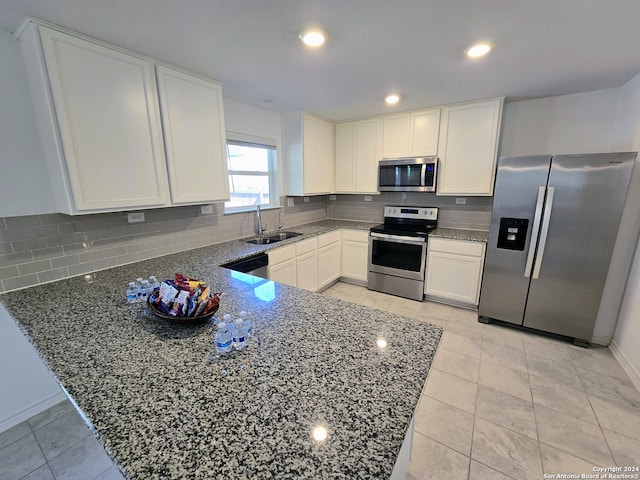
<point x="226" y="317"/>
<point x="222" y="325"/>
<point x="243" y="314"/>
<point x="239" y="322"/>
<point x="132" y="284"/>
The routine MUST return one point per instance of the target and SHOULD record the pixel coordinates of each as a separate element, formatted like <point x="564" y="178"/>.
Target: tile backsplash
<point x="41" y="248"/>
<point x="474" y="215"/>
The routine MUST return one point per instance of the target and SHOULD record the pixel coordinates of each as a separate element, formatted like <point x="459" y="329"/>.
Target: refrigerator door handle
<point x="534" y="232"/>
<point x="545" y="231"/>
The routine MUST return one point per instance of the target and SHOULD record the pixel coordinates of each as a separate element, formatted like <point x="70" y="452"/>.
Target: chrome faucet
<point x="259" y="217"/>
<point x="280" y="222"/>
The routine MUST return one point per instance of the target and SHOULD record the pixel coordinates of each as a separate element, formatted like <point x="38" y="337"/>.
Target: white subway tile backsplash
<point x="70" y="245"/>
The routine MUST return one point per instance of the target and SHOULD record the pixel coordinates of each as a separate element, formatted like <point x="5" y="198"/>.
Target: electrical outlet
<point x="134" y="217"/>
<point x="461" y="201"/>
<point x="206" y="209"/>
<point x="367" y="198"/>
<point x="332" y="197"/>
<point x="306" y="199"/>
<point x="290" y="202"/>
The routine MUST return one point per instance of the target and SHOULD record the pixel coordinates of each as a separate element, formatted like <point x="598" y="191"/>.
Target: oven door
<point x="400" y="256"/>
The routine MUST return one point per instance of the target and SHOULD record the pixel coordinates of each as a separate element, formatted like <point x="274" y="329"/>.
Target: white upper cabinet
<point x="358" y="150"/>
<point x="308" y="155"/>
<point x="468" y="148"/>
<point x="98" y="121"/>
<point x="194" y="137"/>
<point x="411" y="134"/>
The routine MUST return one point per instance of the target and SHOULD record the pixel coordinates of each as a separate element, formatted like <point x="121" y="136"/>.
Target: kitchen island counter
<point x="165" y="406"/>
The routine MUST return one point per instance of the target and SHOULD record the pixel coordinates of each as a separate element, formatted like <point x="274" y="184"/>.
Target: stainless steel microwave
<point x="408" y="174"/>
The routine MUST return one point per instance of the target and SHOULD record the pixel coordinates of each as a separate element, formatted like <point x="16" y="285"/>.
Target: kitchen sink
<point x="273" y="238"/>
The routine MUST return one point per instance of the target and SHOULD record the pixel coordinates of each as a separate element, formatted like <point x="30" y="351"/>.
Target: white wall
<point x="627" y="335"/>
<point x="27" y="386"/>
<point x="20" y="153"/>
<point x="579" y="123"/>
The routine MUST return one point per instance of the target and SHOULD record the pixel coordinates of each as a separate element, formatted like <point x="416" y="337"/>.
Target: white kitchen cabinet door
<point x="425" y="125"/>
<point x="307" y="264"/>
<point x="368" y="154"/>
<point x="468" y="148"/>
<point x="358" y="150"/>
<point x="282" y="265"/>
<point x="454" y="270"/>
<point x="355" y="251"/>
<point x="309" y="154"/>
<point x="396" y="131"/>
<point x="307" y="271"/>
<point x="329" y="258"/>
<point x="284" y="272"/>
<point x="109" y="153"/>
<point x="411" y="134"/>
<point x="345" y="157"/>
<point x="194" y="135"/>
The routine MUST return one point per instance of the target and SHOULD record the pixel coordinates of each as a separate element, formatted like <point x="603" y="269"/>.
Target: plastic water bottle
<point x="139" y="285"/>
<point x="132" y="293"/>
<point x="239" y="335"/>
<point x="153" y="281"/>
<point x="223" y="339"/>
<point x="247" y="323"/>
<point x="145" y="290"/>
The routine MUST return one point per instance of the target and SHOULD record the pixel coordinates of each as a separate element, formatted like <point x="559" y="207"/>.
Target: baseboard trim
<point x="625" y="364"/>
<point x="30" y="411"/>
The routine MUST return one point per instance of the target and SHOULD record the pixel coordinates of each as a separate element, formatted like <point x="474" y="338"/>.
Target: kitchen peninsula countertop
<point x="461" y="234"/>
<point x="166" y="407"/>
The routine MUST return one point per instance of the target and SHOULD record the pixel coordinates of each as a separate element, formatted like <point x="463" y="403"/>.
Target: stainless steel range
<point x="398" y="250"/>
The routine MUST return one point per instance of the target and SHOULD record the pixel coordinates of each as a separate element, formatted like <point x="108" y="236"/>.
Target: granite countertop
<point x="166" y="407"/>
<point x="460" y="234"/>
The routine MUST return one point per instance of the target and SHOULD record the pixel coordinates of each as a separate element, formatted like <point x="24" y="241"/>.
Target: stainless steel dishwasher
<point x="254" y="265"/>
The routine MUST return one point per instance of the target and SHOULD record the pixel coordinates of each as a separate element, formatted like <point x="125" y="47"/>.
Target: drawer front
<point x="355" y="235"/>
<point x="460" y="247"/>
<point x="328" y="238"/>
<point x="306" y="246"/>
<point x="279" y="255"/>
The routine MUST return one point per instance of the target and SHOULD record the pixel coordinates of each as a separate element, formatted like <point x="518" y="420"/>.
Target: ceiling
<point x="412" y="47"/>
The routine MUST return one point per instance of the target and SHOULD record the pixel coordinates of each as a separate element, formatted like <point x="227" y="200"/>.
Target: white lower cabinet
<point x="329" y="258"/>
<point x="355" y="252"/>
<point x="454" y="271"/>
<point x="282" y="265"/>
<point x="307" y="264"/>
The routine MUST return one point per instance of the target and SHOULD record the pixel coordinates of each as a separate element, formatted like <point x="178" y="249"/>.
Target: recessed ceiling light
<point x="478" y="50"/>
<point x="392" y="99"/>
<point x="313" y="37"/>
<point x="320" y="433"/>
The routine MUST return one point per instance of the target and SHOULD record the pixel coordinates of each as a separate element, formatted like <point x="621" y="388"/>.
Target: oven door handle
<point x="386" y="236"/>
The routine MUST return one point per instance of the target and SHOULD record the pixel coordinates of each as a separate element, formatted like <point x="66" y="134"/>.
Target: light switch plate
<point x="461" y="201"/>
<point x="367" y="198"/>
<point x="134" y="217"/>
<point x="290" y="202"/>
<point x="332" y="197"/>
<point x="206" y="209"/>
<point x="306" y="199"/>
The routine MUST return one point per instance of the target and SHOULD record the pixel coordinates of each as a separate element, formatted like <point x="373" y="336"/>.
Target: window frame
<point x="234" y="138"/>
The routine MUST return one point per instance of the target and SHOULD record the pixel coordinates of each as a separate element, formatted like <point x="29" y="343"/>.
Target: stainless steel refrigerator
<point x="554" y="224"/>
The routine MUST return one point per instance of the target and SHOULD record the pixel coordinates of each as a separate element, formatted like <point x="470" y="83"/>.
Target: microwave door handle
<point x="545" y="231"/>
<point x="423" y="175"/>
<point x="534" y="232"/>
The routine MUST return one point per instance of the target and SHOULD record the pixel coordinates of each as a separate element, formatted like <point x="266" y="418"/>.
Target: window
<point x="252" y="177"/>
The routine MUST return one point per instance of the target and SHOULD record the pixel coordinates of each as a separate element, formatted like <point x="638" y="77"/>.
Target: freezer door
<point x="569" y="274"/>
<point x="519" y="193"/>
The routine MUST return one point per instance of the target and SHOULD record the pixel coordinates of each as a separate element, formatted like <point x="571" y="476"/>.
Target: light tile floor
<point x="498" y="404"/>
